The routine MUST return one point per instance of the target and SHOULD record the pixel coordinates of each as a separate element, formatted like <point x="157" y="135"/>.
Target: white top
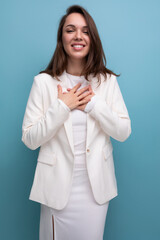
<point x="79" y="121"/>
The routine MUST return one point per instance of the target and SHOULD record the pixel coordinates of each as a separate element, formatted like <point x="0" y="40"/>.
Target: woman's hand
<point x="88" y="97"/>
<point x="75" y="99"/>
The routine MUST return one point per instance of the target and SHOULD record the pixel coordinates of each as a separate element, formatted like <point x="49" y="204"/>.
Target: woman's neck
<point x="75" y="67"/>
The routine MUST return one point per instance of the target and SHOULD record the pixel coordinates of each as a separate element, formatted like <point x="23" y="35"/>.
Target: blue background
<point x="130" y="35"/>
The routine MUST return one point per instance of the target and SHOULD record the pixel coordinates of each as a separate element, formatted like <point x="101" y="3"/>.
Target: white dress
<point x="82" y="218"/>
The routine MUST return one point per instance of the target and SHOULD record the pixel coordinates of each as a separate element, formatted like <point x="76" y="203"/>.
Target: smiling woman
<point x="72" y="119"/>
<point x="76" y="29"/>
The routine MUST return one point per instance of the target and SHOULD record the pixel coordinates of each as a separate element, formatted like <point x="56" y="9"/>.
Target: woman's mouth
<point x="78" y="47"/>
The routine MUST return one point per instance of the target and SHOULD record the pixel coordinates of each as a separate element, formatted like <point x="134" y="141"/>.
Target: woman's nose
<point x="78" y="34"/>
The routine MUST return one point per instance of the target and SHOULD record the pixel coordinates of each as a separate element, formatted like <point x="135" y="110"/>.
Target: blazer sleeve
<point x="39" y="127"/>
<point x="113" y="118"/>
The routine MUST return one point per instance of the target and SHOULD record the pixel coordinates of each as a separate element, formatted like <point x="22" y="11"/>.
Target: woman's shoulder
<point x="45" y="79"/>
<point x="108" y="76"/>
<point x="105" y="79"/>
<point x="43" y="76"/>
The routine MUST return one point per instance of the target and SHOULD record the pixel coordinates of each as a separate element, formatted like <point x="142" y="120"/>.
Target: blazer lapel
<point x="69" y="131"/>
<point x="68" y="122"/>
<point x="90" y="127"/>
<point x="90" y="120"/>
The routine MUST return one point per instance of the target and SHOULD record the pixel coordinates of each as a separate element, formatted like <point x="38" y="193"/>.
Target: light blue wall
<point x="130" y="35"/>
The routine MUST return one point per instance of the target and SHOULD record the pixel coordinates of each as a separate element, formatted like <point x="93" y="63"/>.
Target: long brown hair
<point x="95" y="60"/>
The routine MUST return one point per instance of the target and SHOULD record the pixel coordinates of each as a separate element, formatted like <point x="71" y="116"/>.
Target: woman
<point x="74" y="107"/>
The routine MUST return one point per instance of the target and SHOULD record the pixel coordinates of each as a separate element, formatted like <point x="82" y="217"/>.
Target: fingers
<point x="59" y="89"/>
<point x="83" y="95"/>
<point x="82" y="90"/>
<point x="74" y="89"/>
<point x="90" y="88"/>
<point x="84" y="101"/>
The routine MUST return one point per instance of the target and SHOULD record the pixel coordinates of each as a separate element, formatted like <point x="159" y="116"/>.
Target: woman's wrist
<point x="64" y="105"/>
<point x="91" y="104"/>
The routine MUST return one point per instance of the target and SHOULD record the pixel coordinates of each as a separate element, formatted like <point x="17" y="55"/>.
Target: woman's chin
<point x="77" y="57"/>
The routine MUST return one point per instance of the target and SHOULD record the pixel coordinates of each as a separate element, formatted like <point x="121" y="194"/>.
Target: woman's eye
<point x="86" y="32"/>
<point x="69" y="31"/>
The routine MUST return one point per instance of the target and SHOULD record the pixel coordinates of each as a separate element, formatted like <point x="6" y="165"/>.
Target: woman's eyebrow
<point x="71" y="25"/>
<point x="85" y="26"/>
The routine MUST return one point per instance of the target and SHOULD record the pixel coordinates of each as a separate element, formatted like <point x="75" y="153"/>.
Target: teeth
<point x="78" y="46"/>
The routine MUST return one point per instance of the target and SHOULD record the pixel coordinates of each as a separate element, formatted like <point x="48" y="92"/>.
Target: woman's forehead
<point x="75" y="19"/>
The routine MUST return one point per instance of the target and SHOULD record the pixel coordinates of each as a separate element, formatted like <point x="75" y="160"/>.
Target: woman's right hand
<point x="74" y="98"/>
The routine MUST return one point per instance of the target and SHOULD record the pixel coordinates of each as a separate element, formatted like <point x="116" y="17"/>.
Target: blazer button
<point x="88" y="150"/>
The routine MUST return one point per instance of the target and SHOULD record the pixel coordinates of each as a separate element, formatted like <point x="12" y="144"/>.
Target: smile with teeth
<point x="77" y="46"/>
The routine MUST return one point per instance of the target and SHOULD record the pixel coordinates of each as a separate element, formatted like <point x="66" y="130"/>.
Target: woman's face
<point x="75" y="38"/>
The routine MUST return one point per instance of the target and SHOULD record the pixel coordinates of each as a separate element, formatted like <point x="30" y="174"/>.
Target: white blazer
<point x="48" y="125"/>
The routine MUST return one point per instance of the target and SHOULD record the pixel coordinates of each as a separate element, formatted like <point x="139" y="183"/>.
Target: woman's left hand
<point x="82" y="107"/>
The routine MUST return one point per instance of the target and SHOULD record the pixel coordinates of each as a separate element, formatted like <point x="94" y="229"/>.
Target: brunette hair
<point x="95" y="60"/>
